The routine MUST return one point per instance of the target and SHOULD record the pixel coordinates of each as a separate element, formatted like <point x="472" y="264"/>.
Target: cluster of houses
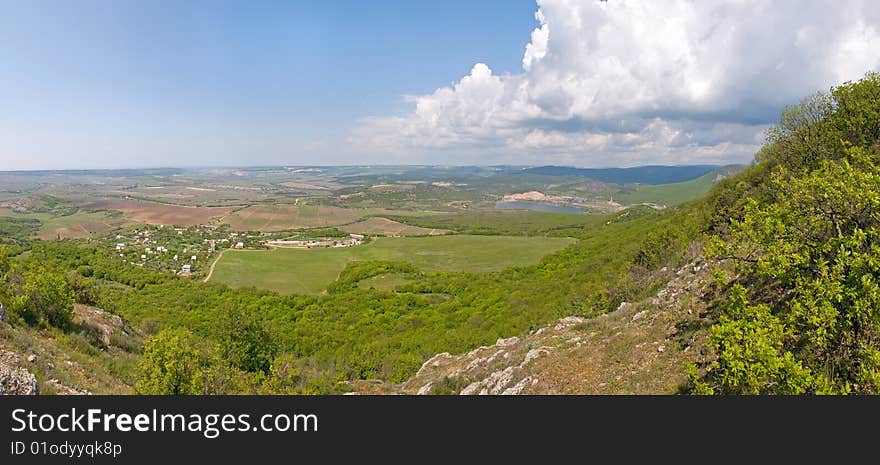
<point x="142" y="247"/>
<point x="350" y="241"/>
<point x="143" y="239"/>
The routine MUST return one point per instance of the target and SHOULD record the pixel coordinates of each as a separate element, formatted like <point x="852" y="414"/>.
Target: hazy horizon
<point x="370" y="165"/>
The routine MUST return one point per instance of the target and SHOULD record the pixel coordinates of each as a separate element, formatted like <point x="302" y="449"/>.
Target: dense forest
<point x="798" y="313"/>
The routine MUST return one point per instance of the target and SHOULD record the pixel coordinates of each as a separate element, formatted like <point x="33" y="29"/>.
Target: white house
<point x="193" y="258"/>
<point x="186" y="269"/>
<point x="239" y="245"/>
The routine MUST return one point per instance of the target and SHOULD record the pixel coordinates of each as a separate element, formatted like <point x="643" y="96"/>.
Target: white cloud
<point x="630" y="82"/>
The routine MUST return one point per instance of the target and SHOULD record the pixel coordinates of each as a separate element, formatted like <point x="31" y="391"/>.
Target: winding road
<point x="211" y="271"/>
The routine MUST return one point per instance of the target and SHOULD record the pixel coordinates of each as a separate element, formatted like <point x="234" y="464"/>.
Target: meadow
<point x="309" y="271"/>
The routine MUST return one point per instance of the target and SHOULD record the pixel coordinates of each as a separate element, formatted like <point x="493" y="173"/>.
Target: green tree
<point x="84" y="289"/>
<point x="44" y="298"/>
<point x="244" y="341"/>
<point x="173" y="364"/>
<point x="751" y="355"/>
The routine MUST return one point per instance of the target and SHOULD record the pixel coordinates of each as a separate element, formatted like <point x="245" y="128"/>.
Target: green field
<point x="503" y="222"/>
<point x="302" y="271"/>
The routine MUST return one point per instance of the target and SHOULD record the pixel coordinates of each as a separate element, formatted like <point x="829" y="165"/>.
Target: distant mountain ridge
<point x="654" y="174"/>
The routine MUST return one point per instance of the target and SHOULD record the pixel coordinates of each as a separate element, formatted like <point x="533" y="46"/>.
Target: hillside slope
<point x="640" y="348"/>
<point x="97" y="357"/>
<point x="676" y="193"/>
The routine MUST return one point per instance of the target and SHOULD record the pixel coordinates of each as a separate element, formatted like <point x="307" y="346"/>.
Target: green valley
<point x="310" y="271"/>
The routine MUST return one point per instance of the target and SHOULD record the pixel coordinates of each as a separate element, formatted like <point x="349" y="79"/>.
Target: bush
<point x="173" y="364"/>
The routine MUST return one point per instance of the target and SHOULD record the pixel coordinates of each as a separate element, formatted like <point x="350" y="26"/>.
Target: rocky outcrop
<point x="533" y="196"/>
<point x="14" y="379"/>
<point x="104" y="325"/>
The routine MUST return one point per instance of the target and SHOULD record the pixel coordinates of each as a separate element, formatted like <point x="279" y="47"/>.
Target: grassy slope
<point x="512" y="222"/>
<point x="283" y="217"/>
<point x="74" y="358"/>
<point x="310" y="271"/>
<point x="668" y="194"/>
<point x="79" y="225"/>
<point x="383" y="226"/>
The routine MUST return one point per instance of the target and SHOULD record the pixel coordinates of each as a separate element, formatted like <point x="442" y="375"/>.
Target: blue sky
<point x="87" y="84"/>
<point x="122" y="73"/>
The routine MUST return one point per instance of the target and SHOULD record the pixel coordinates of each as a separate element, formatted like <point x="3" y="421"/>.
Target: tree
<point x="244" y="341"/>
<point x="84" y="290"/>
<point x="173" y="364"/>
<point x="752" y="358"/>
<point x="45" y="298"/>
<point x="800" y="138"/>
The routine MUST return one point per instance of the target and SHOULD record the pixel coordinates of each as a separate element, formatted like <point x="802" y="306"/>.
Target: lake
<point x="537" y="206"/>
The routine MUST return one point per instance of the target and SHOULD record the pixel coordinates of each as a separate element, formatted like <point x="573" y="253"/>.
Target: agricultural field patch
<point x="384" y="227"/>
<point x="304" y="186"/>
<point x="157" y="213"/>
<point x="504" y="222"/>
<point x="49" y="226"/>
<point x="283" y="217"/>
<point x="80" y="225"/>
<point x="190" y="195"/>
<point x="310" y="271"/>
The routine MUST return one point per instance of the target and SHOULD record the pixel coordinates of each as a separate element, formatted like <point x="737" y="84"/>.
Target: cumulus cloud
<point x="630" y="82"/>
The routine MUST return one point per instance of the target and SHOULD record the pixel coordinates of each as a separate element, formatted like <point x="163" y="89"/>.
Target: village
<point x="188" y="251"/>
<point x="176" y="250"/>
